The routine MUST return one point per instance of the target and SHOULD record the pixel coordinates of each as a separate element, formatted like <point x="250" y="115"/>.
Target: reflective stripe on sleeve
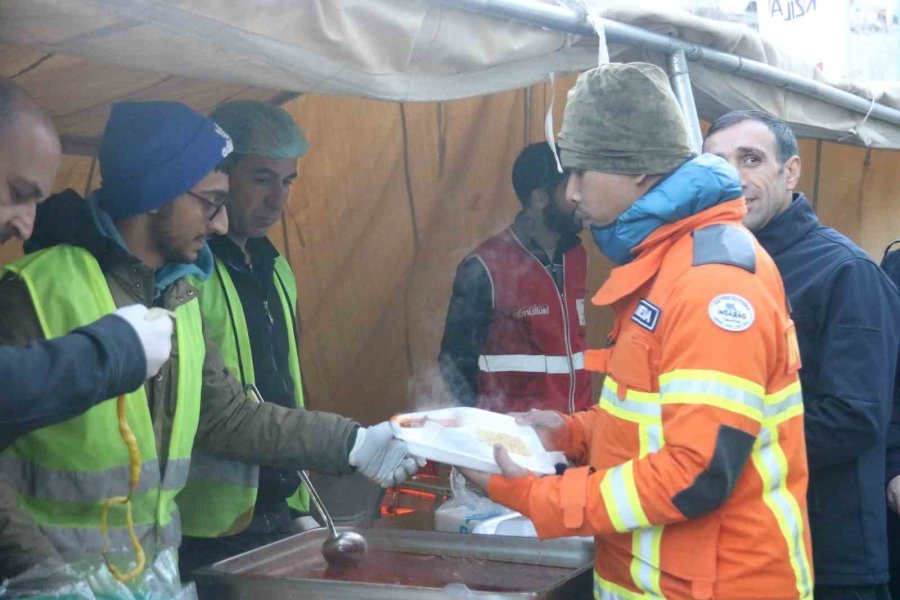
<point x="713" y="388"/>
<point x="621" y="498"/>
<point x="639" y="407"/>
<point x="784" y="404"/>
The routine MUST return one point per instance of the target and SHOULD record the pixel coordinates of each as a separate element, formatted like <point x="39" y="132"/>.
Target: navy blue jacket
<point x="846" y="311"/>
<point x="51" y="381"/>
<point x="891" y="265"/>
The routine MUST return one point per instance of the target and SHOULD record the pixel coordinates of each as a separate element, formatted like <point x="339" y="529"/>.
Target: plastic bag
<point x="466" y="508"/>
<point x="49" y="579"/>
<point x="93" y="581"/>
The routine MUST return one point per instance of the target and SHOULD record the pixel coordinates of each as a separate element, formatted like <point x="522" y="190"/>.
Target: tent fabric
<point x="78" y="56"/>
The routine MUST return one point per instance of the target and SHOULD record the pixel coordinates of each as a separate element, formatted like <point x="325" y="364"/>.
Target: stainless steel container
<point x="407" y="564"/>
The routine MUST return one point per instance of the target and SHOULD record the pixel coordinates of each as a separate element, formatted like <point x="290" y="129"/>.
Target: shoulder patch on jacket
<point x="724" y="245"/>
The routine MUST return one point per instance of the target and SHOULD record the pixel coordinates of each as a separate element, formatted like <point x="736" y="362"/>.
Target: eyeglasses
<point x="211" y="207"/>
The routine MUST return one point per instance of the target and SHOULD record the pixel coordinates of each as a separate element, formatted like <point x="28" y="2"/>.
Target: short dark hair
<point x="785" y="141"/>
<point x="535" y="169"/>
<point x="229" y="163"/>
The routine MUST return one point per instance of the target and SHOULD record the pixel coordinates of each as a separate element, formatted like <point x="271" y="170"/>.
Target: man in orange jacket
<point x="691" y="470"/>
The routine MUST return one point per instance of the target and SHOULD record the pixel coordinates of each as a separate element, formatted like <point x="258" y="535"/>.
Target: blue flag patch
<point x="646" y="315"/>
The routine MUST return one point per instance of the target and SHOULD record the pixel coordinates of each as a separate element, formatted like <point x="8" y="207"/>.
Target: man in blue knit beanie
<point x="136" y="240"/>
<point x="160" y="186"/>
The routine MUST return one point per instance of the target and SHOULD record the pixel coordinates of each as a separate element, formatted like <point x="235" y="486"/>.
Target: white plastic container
<point x="464" y="437"/>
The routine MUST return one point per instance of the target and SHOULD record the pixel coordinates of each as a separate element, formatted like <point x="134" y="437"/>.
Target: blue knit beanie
<point x="152" y="152"/>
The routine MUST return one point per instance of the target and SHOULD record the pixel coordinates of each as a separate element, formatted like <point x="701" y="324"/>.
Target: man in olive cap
<point x="691" y="470"/>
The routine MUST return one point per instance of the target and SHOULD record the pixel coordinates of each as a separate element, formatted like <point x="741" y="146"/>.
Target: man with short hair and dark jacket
<point x="847" y="317"/>
<point x="890" y="263"/>
<point x="514" y="337"/>
<point x="250" y="305"/>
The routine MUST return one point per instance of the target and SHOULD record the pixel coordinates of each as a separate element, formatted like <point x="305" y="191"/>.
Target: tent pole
<point x="565" y="19"/>
<point x="681" y="85"/>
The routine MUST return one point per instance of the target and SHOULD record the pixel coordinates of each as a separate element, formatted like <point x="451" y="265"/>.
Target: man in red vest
<point x="514" y="338"/>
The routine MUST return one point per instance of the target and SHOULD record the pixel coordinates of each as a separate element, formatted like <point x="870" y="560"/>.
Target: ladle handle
<point x="317" y="500"/>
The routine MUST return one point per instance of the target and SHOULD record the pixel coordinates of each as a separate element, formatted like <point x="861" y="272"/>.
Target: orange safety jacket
<point x="694" y="478"/>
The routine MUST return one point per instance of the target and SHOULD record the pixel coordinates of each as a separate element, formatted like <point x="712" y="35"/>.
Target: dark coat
<point x="47" y="382"/>
<point x="847" y="314"/>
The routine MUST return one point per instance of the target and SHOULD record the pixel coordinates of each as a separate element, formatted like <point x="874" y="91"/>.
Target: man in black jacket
<point x="846" y="313"/>
<point x="890" y="263"/>
<point x="51" y="381"/>
<point x="249" y="303"/>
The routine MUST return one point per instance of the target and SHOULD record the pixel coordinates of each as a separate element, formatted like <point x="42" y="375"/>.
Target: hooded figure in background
<point x="690" y="472"/>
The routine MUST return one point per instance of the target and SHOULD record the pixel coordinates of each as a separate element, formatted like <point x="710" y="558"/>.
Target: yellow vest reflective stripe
<point x="221" y="494"/>
<point x="63" y="472"/>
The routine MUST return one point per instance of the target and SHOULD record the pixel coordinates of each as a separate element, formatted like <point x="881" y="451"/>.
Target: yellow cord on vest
<point x="134" y="455"/>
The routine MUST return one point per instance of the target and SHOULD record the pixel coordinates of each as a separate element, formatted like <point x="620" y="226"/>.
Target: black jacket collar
<point x="262" y="251"/>
<point x="789" y="227"/>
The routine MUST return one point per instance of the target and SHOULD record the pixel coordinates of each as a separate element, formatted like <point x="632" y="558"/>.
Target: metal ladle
<point x="343" y="548"/>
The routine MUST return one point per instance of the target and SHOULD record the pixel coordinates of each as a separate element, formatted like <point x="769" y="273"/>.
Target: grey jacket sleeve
<point x="236" y="427"/>
<point x="46" y="382"/>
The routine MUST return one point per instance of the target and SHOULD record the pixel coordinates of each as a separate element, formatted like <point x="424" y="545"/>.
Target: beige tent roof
<point x="78" y="56"/>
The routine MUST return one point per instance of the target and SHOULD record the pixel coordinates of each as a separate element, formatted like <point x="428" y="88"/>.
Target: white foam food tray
<point x="465" y="437"/>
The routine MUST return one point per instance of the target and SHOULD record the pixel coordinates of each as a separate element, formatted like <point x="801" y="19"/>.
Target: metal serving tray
<point x="407" y="564"/>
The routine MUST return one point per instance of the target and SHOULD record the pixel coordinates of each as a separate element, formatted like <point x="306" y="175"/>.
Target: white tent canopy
<point x="78" y="56"/>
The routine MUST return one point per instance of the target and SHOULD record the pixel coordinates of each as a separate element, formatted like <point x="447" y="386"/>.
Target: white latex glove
<point x="381" y="458"/>
<point x="154" y="328"/>
<point x="893" y="494"/>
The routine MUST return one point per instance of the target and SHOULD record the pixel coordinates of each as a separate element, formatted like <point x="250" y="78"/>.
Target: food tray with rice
<point x="465" y="437"/>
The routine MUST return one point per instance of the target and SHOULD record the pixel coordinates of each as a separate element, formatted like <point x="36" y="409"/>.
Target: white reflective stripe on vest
<point x="529" y="363"/>
<point x="46" y="483"/>
<point x="71" y="542"/>
<point x="205" y="467"/>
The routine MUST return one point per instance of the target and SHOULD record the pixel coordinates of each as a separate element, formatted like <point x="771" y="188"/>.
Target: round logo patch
<point x="731" y="312"/>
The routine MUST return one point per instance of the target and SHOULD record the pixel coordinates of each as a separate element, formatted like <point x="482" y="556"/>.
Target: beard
<point x="172" y="243"/>
<point x="563" y="223"/>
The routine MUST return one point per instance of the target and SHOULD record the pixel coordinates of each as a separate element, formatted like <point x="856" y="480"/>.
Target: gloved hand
<point x="154" y="328"/>
<point x="381" y="458"/>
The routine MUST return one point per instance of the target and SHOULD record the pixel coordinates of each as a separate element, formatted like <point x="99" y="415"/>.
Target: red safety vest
<point x="534" y="353"/>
